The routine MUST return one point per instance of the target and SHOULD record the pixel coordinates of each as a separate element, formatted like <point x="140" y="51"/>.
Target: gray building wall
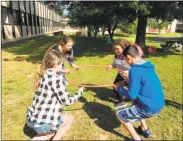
<point x="25" y="19"/>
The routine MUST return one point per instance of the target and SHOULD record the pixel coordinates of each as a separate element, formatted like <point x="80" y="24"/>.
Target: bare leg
<point x="67" y="121"/>
<point x="130" y="129"/>
<point x="44" y="136"/>
<point x="143" y="125"/>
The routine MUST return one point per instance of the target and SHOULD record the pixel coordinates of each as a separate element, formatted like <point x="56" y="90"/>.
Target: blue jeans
<point x="63" y="73"/>
<point x="42" y="128"/>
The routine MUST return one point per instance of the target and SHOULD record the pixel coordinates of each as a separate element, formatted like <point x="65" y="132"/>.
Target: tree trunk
<point x="109" y="31"/>
<point x="141" y="30"/>
<point x="103" y="31"/>
<point x="159" y="31"/>
<point x="96" y="31"/>
<point x="111" y="34"/>
<point x="89" y="31"/>
<point x="95" y="34"/>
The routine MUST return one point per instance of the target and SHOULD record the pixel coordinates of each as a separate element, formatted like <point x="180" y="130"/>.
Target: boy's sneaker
<point x="146" y="133"/>
<point x="121" y="104"/>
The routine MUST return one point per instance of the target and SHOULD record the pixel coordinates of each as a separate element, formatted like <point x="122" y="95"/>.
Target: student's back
<point x="146" y="86"/>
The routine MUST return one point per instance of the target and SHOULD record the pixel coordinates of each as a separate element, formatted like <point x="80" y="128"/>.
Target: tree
<point x="165" y="11"/>
<point x="129" y="28"/>
<point x="101" y="14"/>
<point x="57" y="6"/>
<point x="84" y="14"/>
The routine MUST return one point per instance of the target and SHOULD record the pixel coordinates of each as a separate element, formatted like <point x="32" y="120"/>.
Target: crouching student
<point x="144" y="89"/>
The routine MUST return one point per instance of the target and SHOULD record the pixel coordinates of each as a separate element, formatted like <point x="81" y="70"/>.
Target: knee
<point x="69" y="119"/>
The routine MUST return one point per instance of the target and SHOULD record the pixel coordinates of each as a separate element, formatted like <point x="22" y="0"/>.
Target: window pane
<point x="22" y="7"/>
<point x="32" y="19"/>
<point x="16" y="17"/>
<point x="23" y="18"/>
<point x="27" y="7"/>
<point x="15" y="5"/>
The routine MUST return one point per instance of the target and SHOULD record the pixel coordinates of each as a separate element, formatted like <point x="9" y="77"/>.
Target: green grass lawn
<point x="153" y="39"/>
<point x="93" y="113"/>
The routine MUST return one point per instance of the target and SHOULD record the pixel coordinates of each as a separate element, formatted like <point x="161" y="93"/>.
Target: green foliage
<point x="56" y="5"/>
<point x="129" y="28"/>
<point x="155" y="23"/>
<point x="101" y="14"/>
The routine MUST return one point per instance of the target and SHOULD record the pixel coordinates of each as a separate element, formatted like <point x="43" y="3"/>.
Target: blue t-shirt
<point x="144" y="87"/>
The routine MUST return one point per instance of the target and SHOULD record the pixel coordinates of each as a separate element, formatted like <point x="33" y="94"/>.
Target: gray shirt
<point x="68" y="56"/>
<point x="120" y="63"/>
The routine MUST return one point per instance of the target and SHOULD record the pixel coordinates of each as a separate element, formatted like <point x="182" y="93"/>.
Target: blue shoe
<point x="146" y="133"/>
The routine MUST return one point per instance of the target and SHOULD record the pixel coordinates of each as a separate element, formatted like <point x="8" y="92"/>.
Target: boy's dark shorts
<point x="134" y="113"/>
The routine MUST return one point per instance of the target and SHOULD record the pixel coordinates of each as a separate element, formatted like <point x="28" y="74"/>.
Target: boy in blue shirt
<point x="144" y="89"/>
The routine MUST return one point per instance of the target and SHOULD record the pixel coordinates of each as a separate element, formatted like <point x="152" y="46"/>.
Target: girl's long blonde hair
<point x="51" y="58"/>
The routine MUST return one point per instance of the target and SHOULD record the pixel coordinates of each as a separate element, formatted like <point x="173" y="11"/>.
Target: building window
<point x="23" y="18"/>
<point x="15" y="5"/>
<point x="6" y="16"/>
<point x="30" y="19"/>
<point x="16" y="17"/>
<point x="38" y="22"/>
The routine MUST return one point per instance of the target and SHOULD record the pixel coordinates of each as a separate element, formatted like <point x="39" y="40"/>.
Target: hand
<point x="75" y="67"/>
<point x="115" y="87"/>
<point x="67" y="71"/>
<point x="82" y="88"/>
<point x="109" y="67"/>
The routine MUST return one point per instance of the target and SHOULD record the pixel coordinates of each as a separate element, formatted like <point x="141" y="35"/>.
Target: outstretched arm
<point x="63" y="95"/>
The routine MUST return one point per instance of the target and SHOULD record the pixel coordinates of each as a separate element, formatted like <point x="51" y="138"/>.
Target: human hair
<point x="140" y="51"/>
<point x="122" y="43"/>
<point x="131" y="50"/>
<point x="62" y="43"/>
<point x="51" y="58"/>
<point x="66" y="40"/>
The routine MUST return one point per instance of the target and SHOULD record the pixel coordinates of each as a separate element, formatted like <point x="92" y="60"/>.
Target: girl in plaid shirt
<point x="44" y="114"/>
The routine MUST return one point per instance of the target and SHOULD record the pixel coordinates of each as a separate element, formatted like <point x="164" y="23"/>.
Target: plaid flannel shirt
<point x="49" y="100"/>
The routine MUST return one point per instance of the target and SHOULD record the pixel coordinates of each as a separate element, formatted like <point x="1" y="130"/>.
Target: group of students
<point x="144" y="89"/>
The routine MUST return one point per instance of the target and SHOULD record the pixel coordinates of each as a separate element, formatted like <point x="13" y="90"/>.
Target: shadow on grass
<point x="174" y="104"/>
<point x="160" y="53"/>
<point x="35" y="49"/>
<point x="163" y="39"/>
<point x="103" y="116"/>
<point x="104" y="94"/>
<point x="84" y="46"/>
<point x="122" y="35"/>
<point x="29" y="132"/>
